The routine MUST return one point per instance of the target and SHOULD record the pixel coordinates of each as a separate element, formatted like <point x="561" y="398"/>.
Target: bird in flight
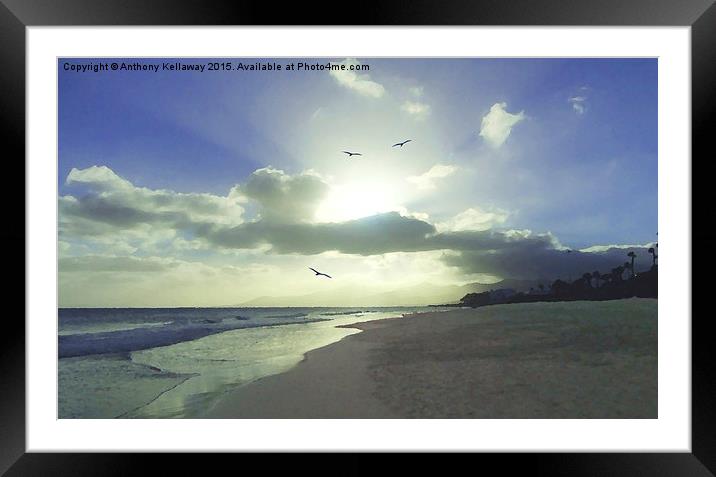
<point x="401" y="144"/>
<point x="319" y="273"/>
<point x="352" y="153"/>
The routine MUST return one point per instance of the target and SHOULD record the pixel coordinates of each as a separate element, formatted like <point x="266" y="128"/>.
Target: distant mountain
<point x="416" y="295"/>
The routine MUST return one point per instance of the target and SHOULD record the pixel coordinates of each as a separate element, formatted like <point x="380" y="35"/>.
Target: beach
<point x="175" y="362"/>
<point x="564" y="360"/>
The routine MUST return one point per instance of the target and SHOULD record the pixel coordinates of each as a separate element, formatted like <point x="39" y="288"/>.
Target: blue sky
<point x="578" y="163"/>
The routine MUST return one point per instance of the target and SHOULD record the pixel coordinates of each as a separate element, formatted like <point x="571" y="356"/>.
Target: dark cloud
<point x="378" y="234"/>
<point x="528" y="260"/>
<point x="115" y="213"/>
<point x="489" y="240"/>
<point x="283" y="197"/>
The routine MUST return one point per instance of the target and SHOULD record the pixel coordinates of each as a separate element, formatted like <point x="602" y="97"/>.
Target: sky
<point x="213" y="188"/>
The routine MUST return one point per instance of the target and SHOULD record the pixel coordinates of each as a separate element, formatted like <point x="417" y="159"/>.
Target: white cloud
<point x="100" y="178"/>
<point x="416" y="109"/>
<point x="114" y="216"/>
<point x="578" y="104"/>
<point x="416" y="91"/>
<point x="474" y="218"/>
<point x="497" y="124"/>
<point x="427" y="180"/>
<point x="606" y="248"/>
<point x="360" y="83"/>
<point x="118" y="199"/>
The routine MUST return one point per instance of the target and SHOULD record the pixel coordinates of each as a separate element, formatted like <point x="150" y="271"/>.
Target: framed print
<point x="264" y="235"/>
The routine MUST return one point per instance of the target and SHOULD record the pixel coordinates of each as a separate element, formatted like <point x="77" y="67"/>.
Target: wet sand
<point x="537" y="360"/>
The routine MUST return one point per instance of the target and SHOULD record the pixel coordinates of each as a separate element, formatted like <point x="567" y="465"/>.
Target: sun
<point x="356" y="200"/>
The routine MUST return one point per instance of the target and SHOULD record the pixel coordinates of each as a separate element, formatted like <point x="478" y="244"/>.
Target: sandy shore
<point x="537" y="360"/>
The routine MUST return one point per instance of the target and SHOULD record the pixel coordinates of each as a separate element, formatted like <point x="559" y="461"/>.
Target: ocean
<point x="177" y="362"/>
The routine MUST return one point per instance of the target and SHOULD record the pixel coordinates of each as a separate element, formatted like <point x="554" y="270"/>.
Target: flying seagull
<point x="401" y="144"/>
<point x="352" y="153"/>
<point x="319" y="273"/>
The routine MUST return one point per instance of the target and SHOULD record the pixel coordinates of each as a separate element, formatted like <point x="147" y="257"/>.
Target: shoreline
<point x="248" y="400"/>
<point x="536" y="360"/>
<point x="224" y="405"/>
<point x="142" y="383"/>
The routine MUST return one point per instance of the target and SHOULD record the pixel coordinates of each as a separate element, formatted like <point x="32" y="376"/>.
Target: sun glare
<point x="356" y="200"/>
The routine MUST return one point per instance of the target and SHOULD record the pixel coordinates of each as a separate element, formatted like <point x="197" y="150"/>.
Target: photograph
<point x="357" y="238"/>
<point x="251" y="230"/>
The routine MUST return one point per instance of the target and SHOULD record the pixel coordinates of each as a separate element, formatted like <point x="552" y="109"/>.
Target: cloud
<point x="381" y="233"/>
<point x="109" y="215"/>
<point x="497" y="124"/>
<point x="113" y="202"/>
<point x="501" y="253"/>
<point x="117" y="225"/>
<point x="98" y="178"/>
<point x="114" y="216"/>
<point x="416" y="109"/>
<point x="99" y="263"/>
<point x="493" y="241"/>
<point x="607" y="248"/>
<point x="427" y="180"/>
<point x="360" y="83"/>
<point x="473" y="218"/>
<point x="283" y="197"/>
<point x="63" y="247"/>
<point x="417" y="91"/>
<point x="578" y="104"/>
<point x="538" y="259"/>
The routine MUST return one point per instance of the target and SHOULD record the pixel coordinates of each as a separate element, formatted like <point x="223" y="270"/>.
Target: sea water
<point x="178" y="362"/>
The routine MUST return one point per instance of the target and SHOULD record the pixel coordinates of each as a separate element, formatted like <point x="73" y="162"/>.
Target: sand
<point x="537" y="360"/>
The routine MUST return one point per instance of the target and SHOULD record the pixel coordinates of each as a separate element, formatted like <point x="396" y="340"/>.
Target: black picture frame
<point x="16" y="15"/>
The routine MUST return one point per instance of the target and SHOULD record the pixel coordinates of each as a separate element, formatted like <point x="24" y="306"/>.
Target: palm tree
<point x="652" y="251"/>
<point x="633" y="256"/>
<point x="597" y="276"/>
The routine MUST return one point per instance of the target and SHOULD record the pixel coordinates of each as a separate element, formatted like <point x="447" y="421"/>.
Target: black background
<point x="15" y="15"/>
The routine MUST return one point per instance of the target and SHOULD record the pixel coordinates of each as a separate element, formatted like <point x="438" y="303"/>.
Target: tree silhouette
<point x="627" y="266"/>
<point x="652" y="251"/>
<point x="589" y="286"/>
<point x="559" y="287"/>
<point x="633" y="256"/>
<point x="617" y="273"/>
